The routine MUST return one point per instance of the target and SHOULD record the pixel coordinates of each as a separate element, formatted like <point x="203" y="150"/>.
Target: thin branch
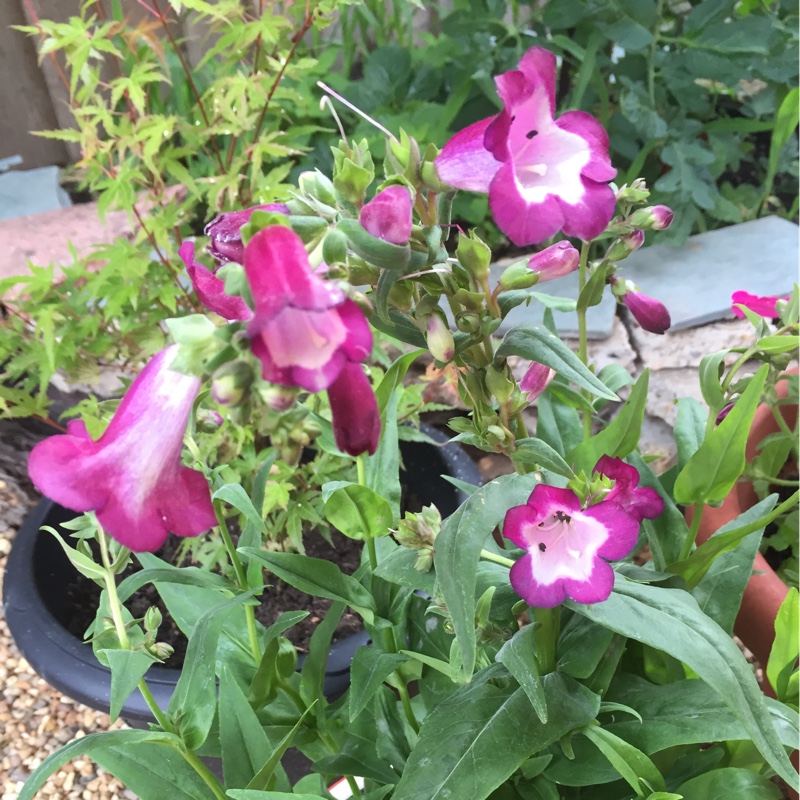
<point x="35" y="17"/>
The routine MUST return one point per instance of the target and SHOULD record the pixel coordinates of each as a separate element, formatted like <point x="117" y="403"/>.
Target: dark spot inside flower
<point x="513" y="117"/>
<point x="562" y="517"/>
<point x="531" y="134"/>
<point x="542" y="547"/>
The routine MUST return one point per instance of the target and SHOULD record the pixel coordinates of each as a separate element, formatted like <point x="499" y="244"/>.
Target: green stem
<point x="205" y="773"/>
<point x="155" y="710"/>
<point x="583" y="348"/>
<point x="783" y="425"/>
<point x="351" y="782"/>
<point x="651" y="59"/>
<point x="241" y="580"/>
<point x="406" y="701"/>
<point x="692" y="535"/>
<point x="114" y="604"/>
<point x="489" y="556"/>
<point x="546" y="637"/>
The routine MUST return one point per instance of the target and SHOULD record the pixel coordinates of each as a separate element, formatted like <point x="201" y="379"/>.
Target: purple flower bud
<point x="555" y="261"/>
<point x="225" y="232"/>
<point x="388" y="215"/>
<point x="724" y="413"/>
<point x="440" y="339"/>
<point x="536" y="379"/>
<point x="208" y="421"/>
<point x="655" y="218"/>
<point x="625" y="245"/>
<point x="651" y="314"/>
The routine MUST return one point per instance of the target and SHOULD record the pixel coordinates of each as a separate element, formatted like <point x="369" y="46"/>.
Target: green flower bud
<point x="439" y="338"/>
<point x="499" y="383"/>
<point x="161" y="650"/>
<point x="278" y="398"/>
<point x="518" y="276"/>
<point x="424" y="561"/>
<point x="474" y="255"/>
<point x="334" y="247"/>
<point x="637" y="192"/>
<point x="361" y="273"/>
<point x="317" y="185"/>
<point x="430" y="177"/>
<point x="353" y="171"/>
<point x="404" y="157"/>
<point x="152" y="619"/>
<point x="231" y="383"/>
<point x="208" y="421"/>
<point x="468" y="322"/>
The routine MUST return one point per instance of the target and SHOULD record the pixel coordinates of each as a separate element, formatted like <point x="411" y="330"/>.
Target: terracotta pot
<point x="765" y="591"/>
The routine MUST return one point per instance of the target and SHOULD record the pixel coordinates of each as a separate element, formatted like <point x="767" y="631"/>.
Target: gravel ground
<point x="35" y="719"/>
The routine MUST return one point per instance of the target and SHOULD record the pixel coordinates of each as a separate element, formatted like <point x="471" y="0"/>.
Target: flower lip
<point x="388" y="215"/>
<point x="132" y="475"/>
<point x="640" y="502"/>
<point x="211" y="289"/>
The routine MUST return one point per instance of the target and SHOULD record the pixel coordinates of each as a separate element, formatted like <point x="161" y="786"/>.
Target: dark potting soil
<point x="84" y="595"/>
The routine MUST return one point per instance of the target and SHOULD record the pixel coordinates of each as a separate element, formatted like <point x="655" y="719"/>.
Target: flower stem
<point x="241" y="580"/>
<point x="548" y="626"/>
<point x="402" y="690"/>
<point x="205" y="773"/>
<point x="583" y="349"/>
<point x="692" y="535"/>
<point x="502" y="560"/>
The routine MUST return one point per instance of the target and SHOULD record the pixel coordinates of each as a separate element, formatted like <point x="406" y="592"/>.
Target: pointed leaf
<point x="369" y="670"/>
<point x="517" y="656"/>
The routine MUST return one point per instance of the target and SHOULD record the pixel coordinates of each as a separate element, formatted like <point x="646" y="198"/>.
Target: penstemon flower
<point x="225" y="232"/>
<point x="536" y="379"/>
<point x="650" y="313"/>
<point x="568" y="545"/>
<point x="388" y="215"/>
<point x="555" y="261"/>
<point x="132" y="475"/>
<point x="543" y="175"/>
<point x="211" y="289"/>
<point x="307" y="333"/>
<point x="763" y="306"/>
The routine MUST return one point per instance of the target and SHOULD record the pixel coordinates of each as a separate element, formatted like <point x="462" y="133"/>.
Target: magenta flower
<point x="566" y="546"/>
<point x="542" y="175"/>
<point x="555" y="261"/>
<point x="388" y="215"/>
<point x="640" y="502"/>
<point x="356" y="419"/>
<point x="307" y="333"/>
<point x="536" y="379"/>
<point x="726" y="409"/>
<point x="656" y="218"/>
<point x="651" y="314"/>
<point x="763" y="306"/>
<point x="225" y="232"/>
<point x="132" y="475"/>
<point x="211" y="289"/>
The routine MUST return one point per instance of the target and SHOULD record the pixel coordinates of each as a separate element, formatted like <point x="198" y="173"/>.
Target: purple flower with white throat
<point x="211" y="289"/>
<point x="566" y="546"/>
<point x="225" y="232"/>
<point x="132" y="475"/>
<point x="307" y="333"/>
<point x="543" y="175"/>
<point x="388" y="215"/>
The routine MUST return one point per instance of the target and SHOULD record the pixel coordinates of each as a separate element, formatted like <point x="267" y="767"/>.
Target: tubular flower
<point x="388" y="215"/>
<point x="567" y="544"/>
<point x="651" y="314"/>
<point x="306" y="332"/>
<point x="132" y="475"/>
<point x="543" y="175"/>
<point x="211" y="289"/>
<point x="555" y="261"/>
<point x="763" y="306"/>
<point x="536" y="379"/>
<point x="225" y="232"/>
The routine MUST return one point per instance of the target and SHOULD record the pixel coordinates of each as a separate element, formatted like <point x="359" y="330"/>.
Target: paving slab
<point x="31" y="191"/>
<point x="696" y="281"/>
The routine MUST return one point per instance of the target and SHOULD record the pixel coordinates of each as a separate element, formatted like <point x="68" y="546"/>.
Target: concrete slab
<point x="31" y="191"/>
<point x="599" y="319"/>
<point x="696" y="281"/>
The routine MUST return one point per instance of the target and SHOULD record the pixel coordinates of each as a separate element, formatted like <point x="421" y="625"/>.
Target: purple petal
<point x="211" y="289"/>
<point x="555" y="261"/>
<point x="536" y="379"/>
<point x="763" y="306"/>
<point x="464" y="161"/>
<point x="587" y="127"/>
<point x="388" y="215"/>
<point x="358" y="344"/>
<point x="621" y="527"/>
<point x="539" y="67"/>
<point x="225" y="231"/>
<point x="589" y="217"/>
<point x="356" y="418"/>
<point x="639" y="502"/>
<point x="651" y="314"/>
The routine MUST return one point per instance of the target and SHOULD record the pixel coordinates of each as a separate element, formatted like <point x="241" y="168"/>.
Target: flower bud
<point x="651" y="314"/>
<point x="655" y="218"/>
<point x="536" y="379"/>
<point x="518" y="276"/>
<point x="474" y="255"/>
<point x="499" y="384"/>
<point x="724" y="413"/>
<point x="468" y="322"/>
<point x="152" y="619"/>
<point x="317" y="185"/>
<point x="555" y="261"/>
<point x="208" y="421"/>
<point x="498" y="435"/>
<point x="353" y="171"/>
<point x="388" y="215"/>
<point x="419" y="530"/>
<point x="404" y="156"/>
<point x="439" y="338"/>
<point x="231" y="382"/>
<point x="424" y="560"/>
<point x="278" y="398"/>
<point x="334" y="247"/>
<point x="625" y="245"/>
<point x="225" y="232"/>
<point x="161" y="650"/>
<point x="635" y="193"/>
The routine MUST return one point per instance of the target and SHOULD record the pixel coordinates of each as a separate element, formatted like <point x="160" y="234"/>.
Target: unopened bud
<point x="388" y="215"/>
<point x="474" y="255"/>
<point x="536" y="379"/>
<point x="655" y="218"/>
<point x="419" y="530"/>
<point x="161" y="650"/>
<point x="518" y="276"/>
<point x="499" y="384"/>
<point x="440" y="339"/>
<point x="278" y="398"/>
<point x="334" y="247"/>
<point x="405" y="156"/>
<point x="225" y="232"/>
<point x="152" y="619"/>
<point x="317" y="185"/>
<point x="424" y="560"/>
<point x="555" y="261"/>
<point x="651" y="314"/>
<point x="208" y="421"/>
<point x="353" y="171"/>
<point x="498" y="435"/>
<point x="231" y="382"/>
<point x="468" y="322"/>
<point x="625" y="245"/>
<point x="635" y="193"/>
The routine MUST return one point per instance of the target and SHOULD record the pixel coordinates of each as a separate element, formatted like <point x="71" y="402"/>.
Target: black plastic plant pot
<point x="37" y="607"/>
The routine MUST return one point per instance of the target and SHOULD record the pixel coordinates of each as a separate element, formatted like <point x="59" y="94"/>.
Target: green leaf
<point x="592" y="292"/>
<point x="621" y="436"/>
<point x="476" y="739"/>
<point x="538" y="344"/>
<point x="192" y="704"/>
<point x="632" y="764"/>
<point x="317" y="577"/>
<point x="557" y="424"/>
<point x="458" y="546"/>
<point x="236" y="496"/>
<point x="255" y="794"/>
<point x="690" y="428"/>
<point x="517" y="656"/>
<point x="187" y="576"/>
<point x="369" y="669"/>
<point x="374" y="250"/>
<point x="312" y="673"/>
<point x="81" y="562"/>
<point x="359" y="513"/>
<point x="394" y="378"/>
<point x="670" y="620"/>
<point x="729" y="783"/>
<point x="128" y="667"/>
<point x="534" y="454"/>
<point x="187" y="788"/>
<point x="786" y="647"/>
<point x="382" y="468"/>
<point x="245" y="747"/>
<point x="398" y="567"/>
<point x="715" y="467"/>
<point x="778" y="344"/>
